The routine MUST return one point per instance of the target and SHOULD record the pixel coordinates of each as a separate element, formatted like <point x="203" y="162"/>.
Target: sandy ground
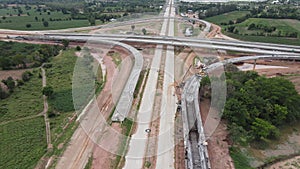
<point x="15" y="74"/>
<point x="218" y="147"/>
<point x="293" y="163"/>
<point x="151" y="28"/>
<point x="101" y="157"/>
<point x="291" y="70"/>
<point x="217" y="33"/>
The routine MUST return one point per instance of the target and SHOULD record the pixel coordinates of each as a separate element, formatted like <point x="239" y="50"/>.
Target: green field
<point x="22" y="133"/>
<point x="283" y="25"/>
<point x="22" y="143"/>
<point x="19" y="22"/>
<point x="59" y="76"/>
<point x="225" y="18"/>
<point x="25" y="101"/>
<point x="268" y="39"/>
<point x="240" y="159"/>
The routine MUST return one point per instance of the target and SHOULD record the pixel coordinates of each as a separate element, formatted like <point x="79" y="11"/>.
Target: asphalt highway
<point x="223" y="45"/>
<point x="134" y="158"/>
<point x="80" y="148"/>
<point x="165" y="146"/>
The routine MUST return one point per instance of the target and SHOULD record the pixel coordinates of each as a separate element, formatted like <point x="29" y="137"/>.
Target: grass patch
<point x="126" y="126"/>
<point x="73" y="77"/>
<point x="283" y="25"/>
<point x="240" y="160"/>
<point x="59" y="76"/>
<point x="25" y="101"/>
<point x="143" y="89"/>
<point x="265" y="39"/>
<point x="126" y="130"/>
<point x="89" y="164"/>
<point x="22" y="144"/>
<point x="139" y="83"/>
<point x="116" y="58"/>
<point x="147" y="164"/>
<point x="225" y="18"/>
<point x="19" y="22"/>
<point x="101" y="79"/>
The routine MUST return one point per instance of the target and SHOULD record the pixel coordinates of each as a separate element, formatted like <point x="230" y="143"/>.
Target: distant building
<point x="112" y="20"/>
<point x="182" y="14"/>
<point x="188" y="32"/>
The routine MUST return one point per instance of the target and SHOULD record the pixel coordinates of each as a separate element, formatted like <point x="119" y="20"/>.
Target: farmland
<point x="225" y="18"/>
<point x="22" y="143"/>
<point x="282" y="25"/>
<point x="31" y="19"/>
<point x="285" y="31"/>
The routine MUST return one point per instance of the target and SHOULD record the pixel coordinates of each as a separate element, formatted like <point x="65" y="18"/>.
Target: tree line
<point x="257" y="106"/>
<point x="20" y="55"/>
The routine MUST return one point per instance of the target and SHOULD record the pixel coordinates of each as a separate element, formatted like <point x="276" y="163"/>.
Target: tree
<point x="125" y="14"/>
<point x="132" y="27"/>
<point x="10" y="83"/>
<point x="92" y="19"/>
<point x="3" y="94"/>
<point x="26" y="76"/>
<point x="231" y="29"/>
<point x="236" y="31"/>
<point x="251" y="26"/>
<point x="48" y="91"/>
<point x="144" y="31"/>
<point x="28" y="25"/>
<point x="46" y="24"/>
<point x="262" y="129"/>
<point x="280" y="113"/>
<point x="78" y="48"/>
<point x="65" y="43"/>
